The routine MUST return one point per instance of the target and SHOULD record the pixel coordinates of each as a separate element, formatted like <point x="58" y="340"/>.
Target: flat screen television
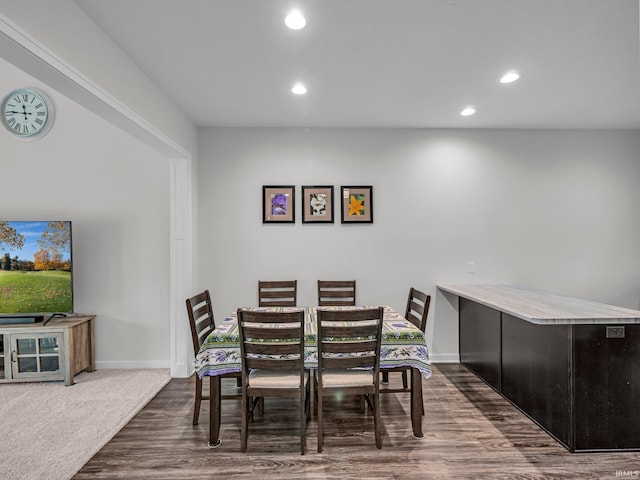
<point x="36" y="270"/>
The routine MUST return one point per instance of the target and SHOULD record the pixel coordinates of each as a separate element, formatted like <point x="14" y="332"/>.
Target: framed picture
<point x="317" y="204"/>
<point x="278" y="204"/>
<point x="357" y="206"/>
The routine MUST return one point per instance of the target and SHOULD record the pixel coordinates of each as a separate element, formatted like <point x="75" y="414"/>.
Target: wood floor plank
<point x="471" y="432"/>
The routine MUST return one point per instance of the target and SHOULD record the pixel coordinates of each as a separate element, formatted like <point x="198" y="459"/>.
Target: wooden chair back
<point x="278" y="293"/>
<point x="201" y="318"/>
<point x="271" y="341"/>
<point x="349" y="339"/>
<point x="336" y="292"/>
<point x="418" y="308"/>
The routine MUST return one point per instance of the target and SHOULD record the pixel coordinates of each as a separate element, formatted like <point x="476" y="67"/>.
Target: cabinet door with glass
<point x="37" y="356"/>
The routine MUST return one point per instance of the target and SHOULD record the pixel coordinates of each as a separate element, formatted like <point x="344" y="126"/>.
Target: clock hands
<point x="24" y="112"/>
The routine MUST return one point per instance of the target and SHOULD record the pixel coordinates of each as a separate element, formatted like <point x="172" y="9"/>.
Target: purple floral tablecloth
<point x="403" y="344"/>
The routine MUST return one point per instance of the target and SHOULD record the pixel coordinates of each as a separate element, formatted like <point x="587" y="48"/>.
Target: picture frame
<point x="356" y="204"/>
<point x="278" y="204"/>
<point x="317" y="204"/>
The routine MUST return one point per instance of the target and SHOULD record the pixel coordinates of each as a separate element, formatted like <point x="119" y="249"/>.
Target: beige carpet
<point x="49" y="431"/>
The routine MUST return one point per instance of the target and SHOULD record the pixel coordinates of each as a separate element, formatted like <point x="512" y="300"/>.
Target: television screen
<point x="35" y="268"/>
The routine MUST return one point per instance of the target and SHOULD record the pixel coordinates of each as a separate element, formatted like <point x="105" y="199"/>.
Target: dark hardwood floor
<point x="470" y="433"/>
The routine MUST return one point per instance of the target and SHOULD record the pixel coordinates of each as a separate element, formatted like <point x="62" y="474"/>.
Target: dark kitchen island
<point x="571" y="365"/>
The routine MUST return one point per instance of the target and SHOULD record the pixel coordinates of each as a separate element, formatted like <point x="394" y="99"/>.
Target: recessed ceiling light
<point x="468" y="111"/>
<point x="510" y="77"/>
<point x="299" y="89"/>
<point x="295" y="20"/>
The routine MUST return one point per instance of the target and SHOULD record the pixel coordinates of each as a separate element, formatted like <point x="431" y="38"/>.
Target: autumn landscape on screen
<point x="35" y="267"/>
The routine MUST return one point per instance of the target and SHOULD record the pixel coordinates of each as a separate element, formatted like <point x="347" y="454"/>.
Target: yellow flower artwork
<point x="356" y="204"/>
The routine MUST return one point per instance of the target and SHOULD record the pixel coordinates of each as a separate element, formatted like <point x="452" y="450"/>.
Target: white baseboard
<point x="133" y="364"/>
<point x="444" y="358"/>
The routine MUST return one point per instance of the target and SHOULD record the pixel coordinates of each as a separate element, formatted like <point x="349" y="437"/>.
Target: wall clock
<point x="26" y="113"/>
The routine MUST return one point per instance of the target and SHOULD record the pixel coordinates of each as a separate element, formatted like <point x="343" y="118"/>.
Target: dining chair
<point x="277" y="294"/>
<point x="336" y="292"/>
<point x="417" y="310"/>
<point x="202" y="322"/>
<point x="349" y="360"/>
<point x="272" y="351"/>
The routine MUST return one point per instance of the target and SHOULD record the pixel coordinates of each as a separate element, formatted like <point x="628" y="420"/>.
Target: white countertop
<point x="541" y="307"/>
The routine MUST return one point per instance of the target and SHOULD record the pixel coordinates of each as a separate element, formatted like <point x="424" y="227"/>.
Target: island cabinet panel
<point x="571" y="365"/>
<point x="607" y="387"/>
<point x="536" y="362"/>
<point x="480" y="345"/>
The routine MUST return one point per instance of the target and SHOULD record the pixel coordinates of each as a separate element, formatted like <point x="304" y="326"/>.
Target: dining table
<point x="403" y="344"/>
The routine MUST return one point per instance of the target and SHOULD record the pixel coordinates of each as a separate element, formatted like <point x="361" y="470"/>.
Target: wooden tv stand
<point x="56" y="351"/>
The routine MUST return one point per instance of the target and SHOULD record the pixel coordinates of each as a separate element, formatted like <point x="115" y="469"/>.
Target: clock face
<point x="26" y="114"/>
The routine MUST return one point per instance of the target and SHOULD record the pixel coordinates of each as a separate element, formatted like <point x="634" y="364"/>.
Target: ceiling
<point x="387" y="63"/>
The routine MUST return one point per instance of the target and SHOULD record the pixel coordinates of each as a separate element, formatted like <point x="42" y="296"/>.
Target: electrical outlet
<point x="615" y="332"/>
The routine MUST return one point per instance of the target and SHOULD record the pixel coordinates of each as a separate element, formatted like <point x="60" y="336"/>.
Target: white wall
<point x="60" y="46"/>
<point x="115" y="190"/>
<point x="68" y="34"/>
<point x="555" y="210"/>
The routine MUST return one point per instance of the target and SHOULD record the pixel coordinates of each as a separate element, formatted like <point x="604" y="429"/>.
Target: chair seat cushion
<point x="276" y="378"/>
<point x="346" y="378"/>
